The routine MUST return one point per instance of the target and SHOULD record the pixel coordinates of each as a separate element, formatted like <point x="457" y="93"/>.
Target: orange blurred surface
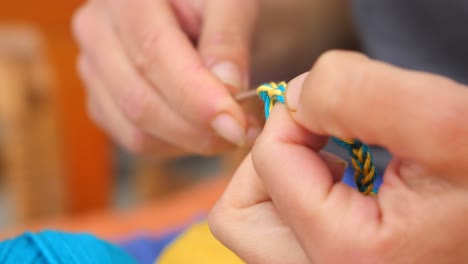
<point x="170" y="212"/>
<point x="86" y="150"/>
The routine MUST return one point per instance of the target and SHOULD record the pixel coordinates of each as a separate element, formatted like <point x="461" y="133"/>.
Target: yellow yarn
<point x="365" y="173"/>
<point x="198" y="246"/>
<point x="271" y="93"/>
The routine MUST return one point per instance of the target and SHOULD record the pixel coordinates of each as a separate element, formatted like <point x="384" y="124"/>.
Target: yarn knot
<point x="271" y="93"/>
<point x="361" y="157"/>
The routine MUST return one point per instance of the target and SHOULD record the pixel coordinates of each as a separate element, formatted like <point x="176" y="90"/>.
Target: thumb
<point x="418" y="117"/>
<point x="305" y="193"/>
<point x="226" y="38"/>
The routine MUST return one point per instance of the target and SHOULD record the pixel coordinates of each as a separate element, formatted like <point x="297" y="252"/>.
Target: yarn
<point x="198" y="245"/>
<point x="361" y="157"/>
<point x="52" y="247"/>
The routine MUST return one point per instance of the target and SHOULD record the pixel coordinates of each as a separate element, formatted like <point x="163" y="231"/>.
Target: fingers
<point x="302" y="187"/>
<point x="234" y="215"/>
<point x="417" y="116"/>
<point x="105" y="113"/>
<point x="164" y="54"/>
<point x="188" y="16"/>
<point x="280" y="132"/>
<point x="335" y="164"/>
<point x="232" y="218"/>
<point x="226" y="39"/>
<point x="137" y="101"/>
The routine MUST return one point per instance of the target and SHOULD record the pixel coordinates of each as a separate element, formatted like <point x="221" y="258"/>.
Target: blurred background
<point x="54" y="163"/>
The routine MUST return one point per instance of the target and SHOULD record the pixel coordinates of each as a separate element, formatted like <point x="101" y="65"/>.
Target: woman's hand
<point x="160" y="74"/>
<point x="286" y="203"/>
<point x="151" y="88"/>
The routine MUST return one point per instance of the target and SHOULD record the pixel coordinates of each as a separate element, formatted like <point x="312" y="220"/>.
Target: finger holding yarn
<point x="361" y="157"/>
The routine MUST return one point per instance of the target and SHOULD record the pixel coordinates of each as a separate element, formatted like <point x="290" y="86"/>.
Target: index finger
<point x="418" y="117"/>
<point x="166" y="57"/>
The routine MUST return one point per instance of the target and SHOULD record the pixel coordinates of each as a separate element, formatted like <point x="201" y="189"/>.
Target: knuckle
<point x="197" y="107"/>
<point x="94" y="113"/>
<point x="149" y="44"/>
<point x="136" y="143"/>
<point x="217" y="220"/>
<point x="82" y="23"/>
<point x="339" y="75"/>
<point x="338" y="62"/>
<point x="136" y="106"/>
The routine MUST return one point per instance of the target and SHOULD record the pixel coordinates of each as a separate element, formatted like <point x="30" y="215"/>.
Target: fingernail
<point x="228" y="73"/>
<point x="229" y="128"/>
<point x="294" y="91"/>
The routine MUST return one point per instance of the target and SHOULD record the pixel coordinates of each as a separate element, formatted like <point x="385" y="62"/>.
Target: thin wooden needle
<point x="242" y="96"/>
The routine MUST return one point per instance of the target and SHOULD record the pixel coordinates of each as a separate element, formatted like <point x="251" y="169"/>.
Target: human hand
<point x="286" y="203"/>
<point x="146" y="64"/>
<point x="151" y="88"/>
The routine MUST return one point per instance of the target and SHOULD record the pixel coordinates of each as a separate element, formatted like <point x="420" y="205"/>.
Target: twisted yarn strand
<point x="361" y="157"/>
<point x="362" y="160"/>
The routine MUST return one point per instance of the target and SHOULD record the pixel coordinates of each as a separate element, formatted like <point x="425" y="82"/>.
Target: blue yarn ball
<point x="52" y="247"/>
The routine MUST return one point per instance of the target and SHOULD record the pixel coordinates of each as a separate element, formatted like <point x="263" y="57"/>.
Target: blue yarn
<point x="146" y="249"/>
<point x="52" y="247"/>
<point x="265" y="98"/>
<point x="275" y="98"/>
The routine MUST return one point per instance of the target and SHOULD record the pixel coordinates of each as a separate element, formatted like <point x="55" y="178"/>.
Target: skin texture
<point x="160" y="75"/>
<point x="297" y="210"/>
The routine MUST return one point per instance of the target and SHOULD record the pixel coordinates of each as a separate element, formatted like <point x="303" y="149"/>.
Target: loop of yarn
<point x="270" y="94"/>
<point x="361" y="157"/>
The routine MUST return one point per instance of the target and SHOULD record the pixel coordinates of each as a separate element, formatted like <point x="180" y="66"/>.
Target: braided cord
<point x="361" y="157"/>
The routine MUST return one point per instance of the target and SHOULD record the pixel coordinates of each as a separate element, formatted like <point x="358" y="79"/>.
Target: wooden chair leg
<point x="31" y="165"/>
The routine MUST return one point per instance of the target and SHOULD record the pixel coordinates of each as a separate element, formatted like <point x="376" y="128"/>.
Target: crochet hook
<point x="242" y="96"/>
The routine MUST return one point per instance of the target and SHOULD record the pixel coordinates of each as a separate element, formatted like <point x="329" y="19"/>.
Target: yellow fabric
<point x="198" y="246"/>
